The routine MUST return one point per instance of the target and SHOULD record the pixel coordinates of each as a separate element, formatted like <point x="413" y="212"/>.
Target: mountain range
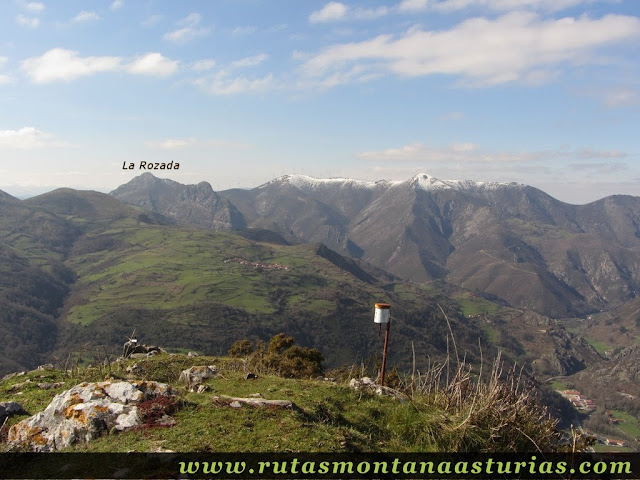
<point x="82" y="269"/>
<point x="509" y="242"/>
<point x="494" y="267"/>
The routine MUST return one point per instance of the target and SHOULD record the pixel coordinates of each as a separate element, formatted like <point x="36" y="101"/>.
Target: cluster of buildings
<point x="612" y="442"/>
<point x="579" y="401"/>
<point x="586" y="405"/>
<point x="256" y="265"/>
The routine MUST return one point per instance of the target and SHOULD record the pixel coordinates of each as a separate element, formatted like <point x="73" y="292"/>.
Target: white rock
<point x="128" y="420"/>
<point x="124" y="392"/>
<point x="83" y="413"/>
<point x="197" y="374"/>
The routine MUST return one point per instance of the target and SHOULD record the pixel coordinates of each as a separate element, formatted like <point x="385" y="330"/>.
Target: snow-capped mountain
<point x="510" y="241"/>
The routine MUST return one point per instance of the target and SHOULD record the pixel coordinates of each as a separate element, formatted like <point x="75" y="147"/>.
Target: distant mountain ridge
<point x="509" y="241"/>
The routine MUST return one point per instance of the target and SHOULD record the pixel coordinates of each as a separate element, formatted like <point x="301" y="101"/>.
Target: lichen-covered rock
<point x="194" y="376"/>
<point x="83" y="413"/>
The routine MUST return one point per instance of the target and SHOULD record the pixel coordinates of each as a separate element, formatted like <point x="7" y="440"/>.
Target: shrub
<point x="279" y="343"/>
<point x="280" y="357"/>
<point x="241" y="348"/>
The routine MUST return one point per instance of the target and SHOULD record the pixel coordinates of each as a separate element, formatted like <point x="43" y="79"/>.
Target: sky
<point x="239" y="92"/>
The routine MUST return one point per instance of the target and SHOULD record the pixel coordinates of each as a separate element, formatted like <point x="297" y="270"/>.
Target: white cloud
<point x="85" y="16"/>
<point x="227" y="82"/>
<point x="171" y="143"/>
<point x="250" y="61"/>
<point x="576" y="175"/>
<point x="32" y="7"/>
<point x="332" y="11"/>
<point x="413" y="5"/>
<point x="4" y="79"/>
<point x="116" y="4"/>
<point x="599" y="168"/>
<point x="587" y="153"/>
<point x="59" y="64"/>
<point x="28" y="138"/>
<point x="223" y="83"/>
<point x="177" y="143"/>
<point x="467" y="153"/>
<point x="153" y="64"/>
<point x="246" y="30"/>
<point x="277" y="28"/>
<point x="335" y="11"/>
<point x="514" y="47"/>
<point x="370" y="13"/>
<point x="203" y="65"/>
<point x="417" y="152"/>
<point x="445" y="6"/>
<point x="620" y="97"/>
<point x="189" y="30"/>
<point x="190" y="20"/>
<point x="31" y="22"/>
<point x="226" y="144"/>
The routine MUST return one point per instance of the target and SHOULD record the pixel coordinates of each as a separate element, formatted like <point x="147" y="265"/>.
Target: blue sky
<point x="543" y="92"/>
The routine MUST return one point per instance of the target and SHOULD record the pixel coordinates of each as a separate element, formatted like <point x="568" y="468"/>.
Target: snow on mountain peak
<point x="422" y="181"/>
<point x="305" y="182"/>
<point x="427" y="182"/>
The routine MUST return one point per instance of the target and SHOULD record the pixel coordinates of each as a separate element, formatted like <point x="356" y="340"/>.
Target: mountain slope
<point x="89" y="269"/>
<point x="197" y="289"/>
<point x="5" y="197"/>
<point x="196" y="205"/>
<point x="84" y="269"/>
<point x="37" y="237"/>
<point x="508" y="241"/>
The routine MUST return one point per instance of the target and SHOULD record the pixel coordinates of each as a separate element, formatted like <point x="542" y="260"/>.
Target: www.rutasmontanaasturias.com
<point x="456" y="469"/>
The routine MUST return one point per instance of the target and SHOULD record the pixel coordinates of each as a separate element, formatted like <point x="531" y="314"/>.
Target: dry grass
<point x="500" y="413"/>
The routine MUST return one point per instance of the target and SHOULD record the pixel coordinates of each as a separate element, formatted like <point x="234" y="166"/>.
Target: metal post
<point x="384" y="354"/>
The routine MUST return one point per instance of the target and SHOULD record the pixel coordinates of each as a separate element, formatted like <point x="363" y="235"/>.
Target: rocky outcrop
<point x="195" y="376"/>
<point x="571" y="353"/>
<point x="85" y="412"/>
<point x="196" y="205"/>
<point x="620" y="373"/>
<point x="132" y="349"/>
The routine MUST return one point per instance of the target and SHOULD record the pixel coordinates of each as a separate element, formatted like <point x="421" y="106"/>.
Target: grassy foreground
<point x="460" y="415"/>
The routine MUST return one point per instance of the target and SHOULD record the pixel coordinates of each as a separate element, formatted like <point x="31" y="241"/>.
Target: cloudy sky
<point x="543" y="92"/>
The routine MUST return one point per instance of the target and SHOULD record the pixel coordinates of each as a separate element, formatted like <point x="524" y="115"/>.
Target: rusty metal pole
<point x="384" y="353"/>
<point x="381" y="315"/>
